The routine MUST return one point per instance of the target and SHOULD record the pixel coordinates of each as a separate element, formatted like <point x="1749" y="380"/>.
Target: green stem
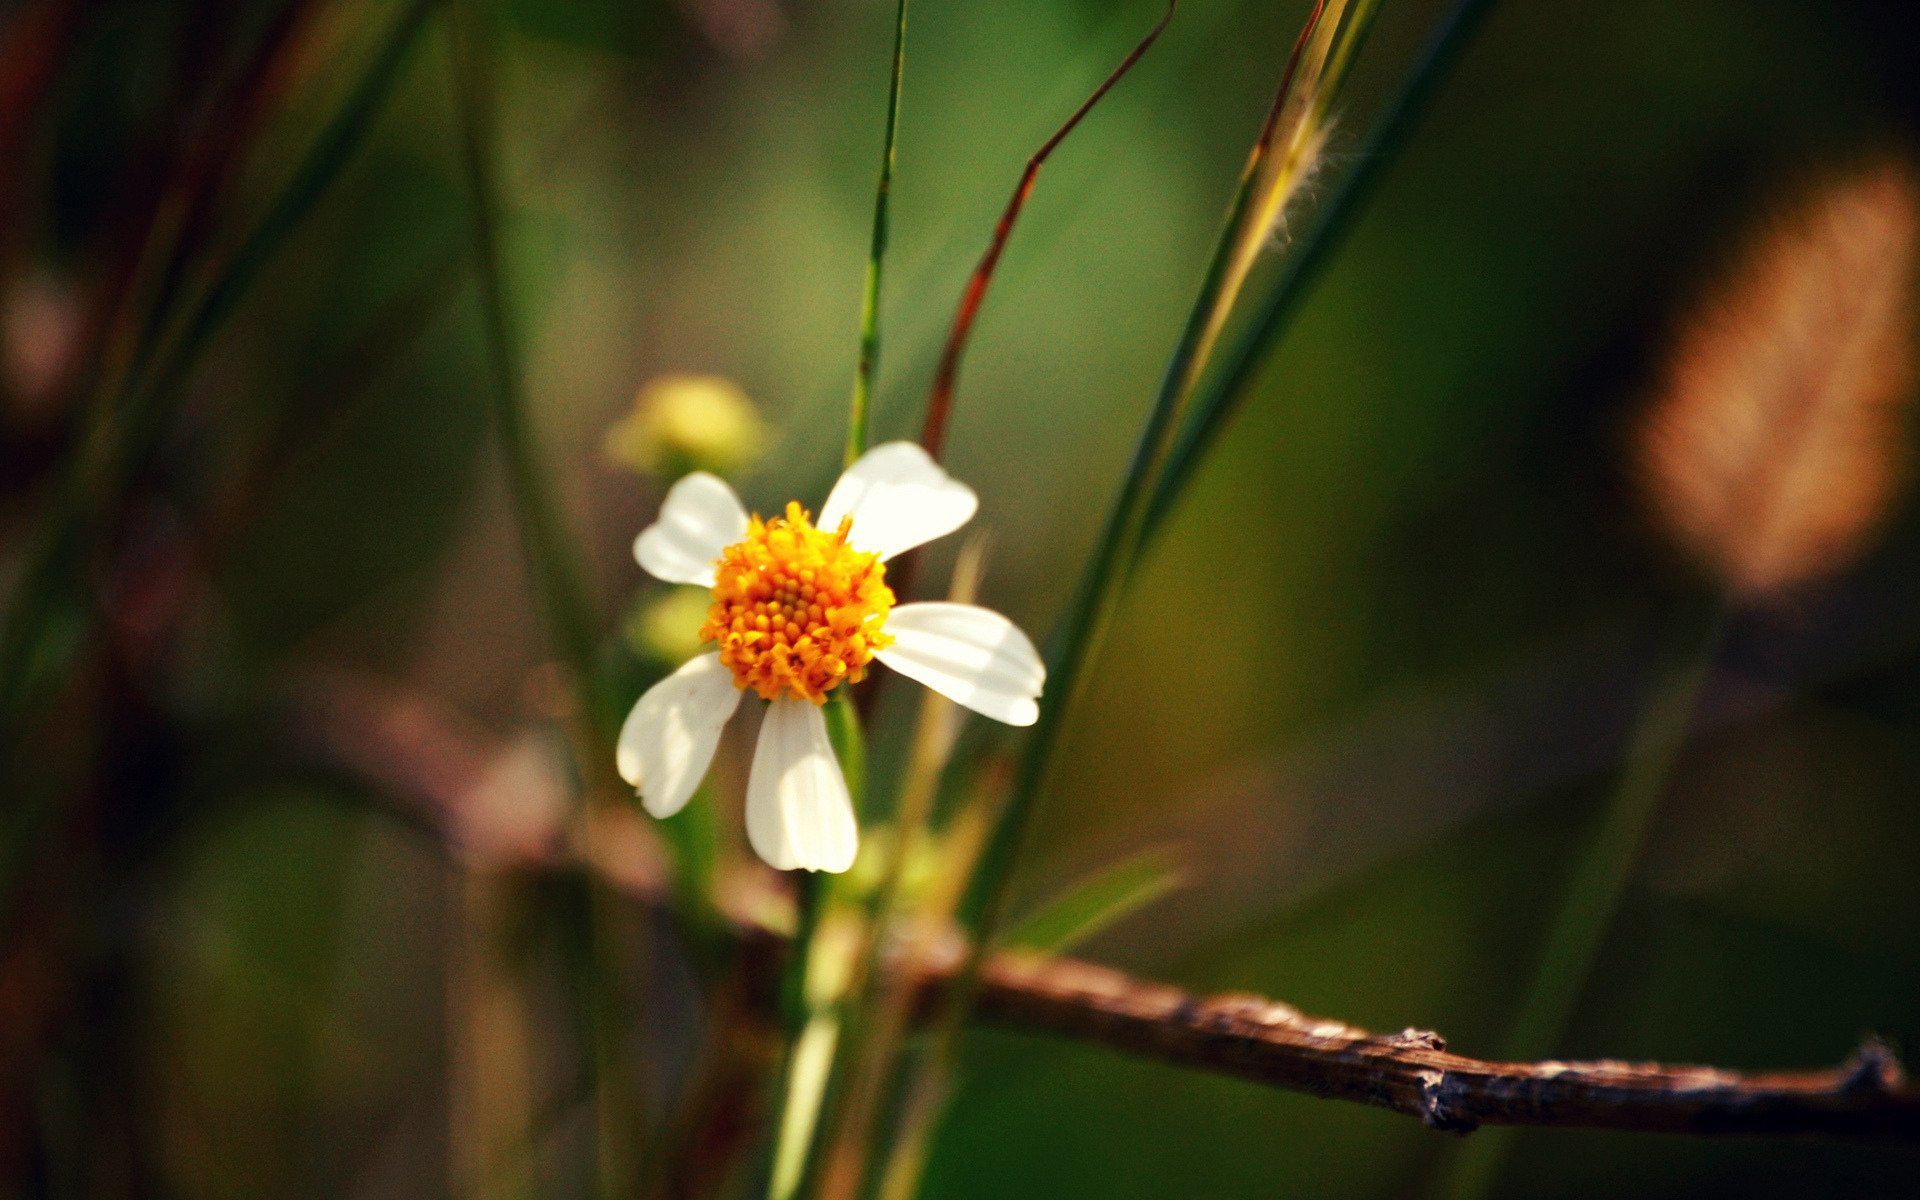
<point x="1311" y="254"/>
<point x="48" y="625"/>
<point x="558" y="581"/>
<point x="1593" y="896"/>
<point x="1084" y="628"/>
<point x="861" y="416"/>
<point x="557" y="575"/>
<point x="814" y="984"/>
<point x="1143" y="497"/>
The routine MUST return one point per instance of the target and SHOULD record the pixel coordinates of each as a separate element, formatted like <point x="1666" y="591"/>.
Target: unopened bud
<point x="682" y="423"/>
<point x="666" y="629"/>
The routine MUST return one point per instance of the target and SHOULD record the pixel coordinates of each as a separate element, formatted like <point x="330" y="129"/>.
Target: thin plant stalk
<point x="557" y="575"/>
<point x="135" y="402"/>
<point x="933" y="430"/>
<point x="558" y="580"/>
<point x="814" y="1031"/>
<point x="920" y="1111"/>
<point x="886" y="995"/>
<point x="1274" y="168"/>
<point x="488" y="1102"/>
<point x="928" y="1082"/>
<point x="1593" y="896"/>
<point x="1225" y="393"/>
<point x="859" y="425"/>
<point x="237" y="112"/>
<point x="1084" y="627"/>
<point x="134" y="406"/>
<point x="819" y="966"/>
<point x="1097" y="599"/>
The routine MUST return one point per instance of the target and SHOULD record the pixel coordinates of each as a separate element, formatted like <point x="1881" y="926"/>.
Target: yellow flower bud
<point x="682" y="423"/>
<point x="667" y="628"/>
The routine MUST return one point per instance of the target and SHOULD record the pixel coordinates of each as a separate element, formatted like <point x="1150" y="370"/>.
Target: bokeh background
<point x="1369" y="686"/>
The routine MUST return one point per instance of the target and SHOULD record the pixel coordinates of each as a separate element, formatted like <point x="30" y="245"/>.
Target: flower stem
<point x="815" y="982"/>
<point x="884" y="997"/>
<point x="860" y="418"/>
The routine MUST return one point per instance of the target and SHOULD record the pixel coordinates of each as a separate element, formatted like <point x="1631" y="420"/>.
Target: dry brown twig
<point x="1248" y="1037"/>
<point x="1412" y="1071"/>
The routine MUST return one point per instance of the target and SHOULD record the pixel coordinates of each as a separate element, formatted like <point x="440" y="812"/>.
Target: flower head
<point x="796" y="609"/>
<point x="800" y="608"/>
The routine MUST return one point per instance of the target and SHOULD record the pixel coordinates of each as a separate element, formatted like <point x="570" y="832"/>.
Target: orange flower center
<point x="796" y="610"/>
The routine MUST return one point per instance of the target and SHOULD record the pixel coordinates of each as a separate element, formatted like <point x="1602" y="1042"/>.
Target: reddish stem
<point x="940" y="404"/>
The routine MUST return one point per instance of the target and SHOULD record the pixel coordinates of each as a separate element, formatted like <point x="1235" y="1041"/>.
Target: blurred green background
<point x="1371" y="681"/>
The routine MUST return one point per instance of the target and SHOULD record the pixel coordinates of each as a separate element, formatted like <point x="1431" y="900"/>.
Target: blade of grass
<point x="551" y="558"/>
<point x="933" y="431"/>
<point x="860" y="418"/>
<point x="924" y="923"/>
<point x="53" y="580"/>
<point x="314" y="177"/>
<point x="232" y="119"/>
<point x="1263" y="190"/>
<point x="1083" y="629"/>
<point x="1222" y="398"/>
<point x="553" y="566"/>
<point x="1096" y="903"/>
<point x="1594" y="892"/>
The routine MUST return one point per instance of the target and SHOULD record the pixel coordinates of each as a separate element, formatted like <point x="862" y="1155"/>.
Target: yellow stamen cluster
<point x="796" y="610"/>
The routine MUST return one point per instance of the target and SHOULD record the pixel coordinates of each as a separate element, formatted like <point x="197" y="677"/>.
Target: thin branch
<point x="1412" y="1072"/>
<point x="407" y="746"/>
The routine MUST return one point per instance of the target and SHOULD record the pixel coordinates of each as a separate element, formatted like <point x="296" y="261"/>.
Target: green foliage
<point x="1096" y="903"/>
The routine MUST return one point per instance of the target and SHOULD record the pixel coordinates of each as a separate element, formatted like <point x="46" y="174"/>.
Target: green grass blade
<point x="1217" y="404"/>
<point x="52" y="579"/>
<point x="552" y="560"/>
<point x="311" y="180"/>
<point x="1096" y="903"/>
<point x="1131" y="518"/>
<point x="1594" y="892"/>
<point x="860" y="418"/>
<point x="1084" y="626"/>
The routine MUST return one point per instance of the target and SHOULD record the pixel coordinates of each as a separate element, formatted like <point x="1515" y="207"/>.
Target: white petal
<point x="898" y="498"/>
<point x="699" y="518"/>
<point x="668" y="739"/>
<point x="798" y="810"/>
<point x="971" y="655"/>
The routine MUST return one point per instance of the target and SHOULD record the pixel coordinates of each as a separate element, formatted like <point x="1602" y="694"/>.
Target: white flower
<point x="798" y="610"/>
